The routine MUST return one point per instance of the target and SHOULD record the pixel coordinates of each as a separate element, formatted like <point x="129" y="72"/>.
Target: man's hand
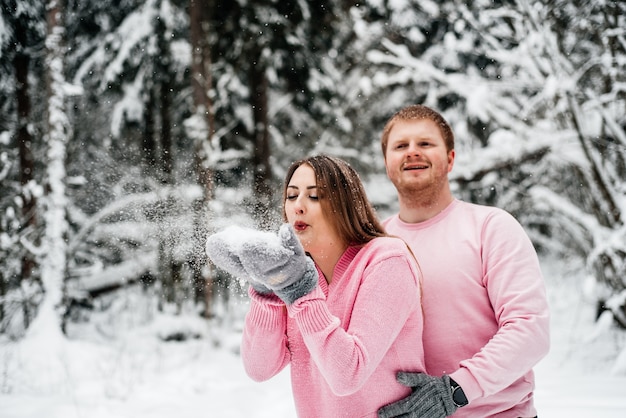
<point x="431" y="398"/>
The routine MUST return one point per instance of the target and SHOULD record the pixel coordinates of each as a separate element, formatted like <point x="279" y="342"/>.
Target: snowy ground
<point x="137" y="375"/>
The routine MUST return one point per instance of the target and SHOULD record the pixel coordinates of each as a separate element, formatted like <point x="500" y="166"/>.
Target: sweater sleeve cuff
<point x="467" y="382"/>
<point x="266" y="311"/>
<point x="311" y="312"/>
<point x="265" y="298"/>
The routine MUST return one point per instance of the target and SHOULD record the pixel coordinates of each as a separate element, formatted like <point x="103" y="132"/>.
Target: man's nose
<point x="413" y="149"/>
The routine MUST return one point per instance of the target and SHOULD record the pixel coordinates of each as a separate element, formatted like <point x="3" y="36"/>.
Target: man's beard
<point x="422" y="194"/>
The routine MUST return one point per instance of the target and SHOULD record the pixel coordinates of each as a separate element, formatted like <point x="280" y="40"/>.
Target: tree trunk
<point x="148" y="147"/>
<point x="54" y="261"/>
<point x="21" y="63"/>
<point x="261" y="158"/>
<point x="163" y="69"/>
<point x="202" y="78"/>
<point x="201" y="85"/>
<point x="166" y="131"/>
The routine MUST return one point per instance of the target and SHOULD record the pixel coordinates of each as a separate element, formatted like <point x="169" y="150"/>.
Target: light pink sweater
<point x="344" y="341"/>
<point x="485" y="309"/>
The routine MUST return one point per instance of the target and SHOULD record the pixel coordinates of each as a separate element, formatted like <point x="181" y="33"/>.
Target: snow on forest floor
<point x="138" y="375"/>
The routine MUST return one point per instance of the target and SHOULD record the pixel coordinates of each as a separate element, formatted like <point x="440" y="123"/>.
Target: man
<point x="485" y="308"/>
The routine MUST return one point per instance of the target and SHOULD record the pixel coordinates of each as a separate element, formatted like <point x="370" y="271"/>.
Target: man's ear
<point x="451" y="155"/>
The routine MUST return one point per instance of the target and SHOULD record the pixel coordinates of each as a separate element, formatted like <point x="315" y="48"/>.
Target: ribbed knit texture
<point x="268" y="314"/>
<point x="345" y="341"/>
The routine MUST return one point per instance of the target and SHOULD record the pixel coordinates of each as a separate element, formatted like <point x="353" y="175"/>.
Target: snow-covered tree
<point x="200" y="127"/>
<point x="191" y="110"/>
<point x="54" y="256"/>
<point x="267" y="82"/>
<point x="136" y="56"/>
<point x="533" y="90"/>
<point x="21" y="41"/>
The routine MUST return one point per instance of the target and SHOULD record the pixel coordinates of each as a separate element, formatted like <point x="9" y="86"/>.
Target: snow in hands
<point x="235" y="237"/>
<point x="271" y="263"/>
<point x="226" y="247"/>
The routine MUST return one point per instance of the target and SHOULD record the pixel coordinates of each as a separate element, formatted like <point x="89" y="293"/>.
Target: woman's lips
<point x="299" y="226"/>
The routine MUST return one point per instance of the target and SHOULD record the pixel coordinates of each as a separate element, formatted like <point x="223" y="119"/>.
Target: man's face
<point x="417" y="159"/>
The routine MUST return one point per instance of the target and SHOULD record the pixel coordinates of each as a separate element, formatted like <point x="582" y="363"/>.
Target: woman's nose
<point x="298" y="206"/>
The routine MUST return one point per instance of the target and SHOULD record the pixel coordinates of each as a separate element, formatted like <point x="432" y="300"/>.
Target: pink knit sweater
<point x="486" y="320"/>
<point x="344" y="341"/>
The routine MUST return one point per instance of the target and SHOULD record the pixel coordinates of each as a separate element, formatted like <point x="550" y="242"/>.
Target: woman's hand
<point x="269" y="262"/>
<point x="280" y="265"/>
<point x="223" y="250"/>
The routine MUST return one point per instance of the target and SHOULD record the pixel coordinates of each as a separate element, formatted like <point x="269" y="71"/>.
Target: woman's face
<point x="304" y="212"/>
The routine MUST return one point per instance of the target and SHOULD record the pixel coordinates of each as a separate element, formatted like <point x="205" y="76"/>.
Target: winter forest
<point x="131" y="129"/>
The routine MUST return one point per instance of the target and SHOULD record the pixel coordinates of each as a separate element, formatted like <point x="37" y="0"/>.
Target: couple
<point x="451" y="324"/>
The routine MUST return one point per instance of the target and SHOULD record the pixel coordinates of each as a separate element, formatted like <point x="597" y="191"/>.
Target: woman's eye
<point x="292" y="197"/>
<point x="313" y="197"/>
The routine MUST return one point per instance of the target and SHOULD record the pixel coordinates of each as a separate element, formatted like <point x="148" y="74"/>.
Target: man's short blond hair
<point x="417" y="112"/>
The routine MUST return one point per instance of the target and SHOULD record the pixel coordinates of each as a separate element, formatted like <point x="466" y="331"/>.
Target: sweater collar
<point x="345" y="260"/>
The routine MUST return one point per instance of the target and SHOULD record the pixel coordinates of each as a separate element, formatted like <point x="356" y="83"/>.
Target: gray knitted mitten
<point x="431" y="398"/>
<point x="282" y="266"/>
<point x="223" y="249"/>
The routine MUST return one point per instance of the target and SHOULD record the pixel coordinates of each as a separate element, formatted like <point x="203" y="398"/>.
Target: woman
<point x="332" y="295"/>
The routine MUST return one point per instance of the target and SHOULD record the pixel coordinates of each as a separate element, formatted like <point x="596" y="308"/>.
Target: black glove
<point x="281" y="266"/>
<point x="223" y="249"/>
<point x="431" y="398"/>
